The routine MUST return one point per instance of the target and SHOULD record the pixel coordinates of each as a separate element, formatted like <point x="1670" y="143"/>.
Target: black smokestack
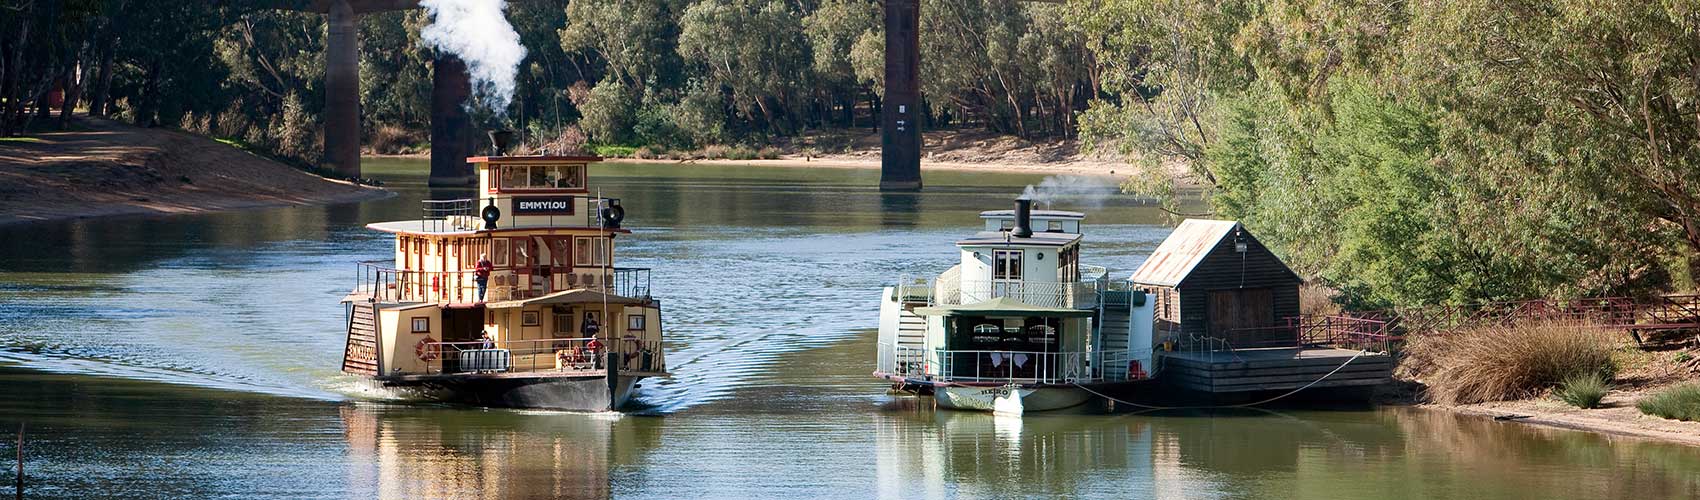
<point x="500" y="141"/>
<point x="1023" y="218"/>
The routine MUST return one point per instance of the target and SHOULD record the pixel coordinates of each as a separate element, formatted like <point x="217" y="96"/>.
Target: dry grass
<point x="1495" y="363"/>
<point x="390" y="139"/>
<point x="1317" y="300"/>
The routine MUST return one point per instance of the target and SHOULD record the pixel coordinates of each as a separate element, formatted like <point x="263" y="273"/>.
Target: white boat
<point x="1020" y="325"/>
<point x="555" y="325"/>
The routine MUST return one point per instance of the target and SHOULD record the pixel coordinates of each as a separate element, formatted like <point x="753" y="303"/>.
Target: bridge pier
<point x="900" y="116"/>
<point x="451" y="127"/>
<point x="342" y="91"/>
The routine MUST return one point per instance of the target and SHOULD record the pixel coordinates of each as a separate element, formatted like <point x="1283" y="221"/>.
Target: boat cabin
<point x="1213" y="279"/>
<point x="551" y="298"/>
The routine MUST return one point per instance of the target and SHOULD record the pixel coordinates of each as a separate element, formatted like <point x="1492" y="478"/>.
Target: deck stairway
<point x="361" y="355"/>
<point x="1112" y="325"/>
<point x="911" y="334"/>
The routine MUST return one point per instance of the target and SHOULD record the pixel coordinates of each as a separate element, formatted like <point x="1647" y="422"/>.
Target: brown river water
<point x="196" y="357"/>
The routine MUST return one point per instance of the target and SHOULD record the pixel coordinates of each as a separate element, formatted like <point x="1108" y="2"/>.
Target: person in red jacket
<point x="481" y="274"/>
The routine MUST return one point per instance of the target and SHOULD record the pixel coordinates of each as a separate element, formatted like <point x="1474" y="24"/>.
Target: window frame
<point x="1006" y="265"/>
<point x="637" y="322"/>
<point x="413" y="326"/>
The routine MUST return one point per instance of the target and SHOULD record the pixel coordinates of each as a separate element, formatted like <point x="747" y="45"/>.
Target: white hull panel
<point x="1001" y="399"/>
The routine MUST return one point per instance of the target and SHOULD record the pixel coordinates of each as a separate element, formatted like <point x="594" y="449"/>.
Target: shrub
<point x="1681" y="403"/>
<point x="390" y="139"/>
<point x="607" y="112"/>
<point x="768" y="153"/>
<point x="1499" y="362"/>
<point x="716" y="152"/>
<point x="740" y="153"/>
<point x="647" y="153"/>
<point x="1583" y="390"/>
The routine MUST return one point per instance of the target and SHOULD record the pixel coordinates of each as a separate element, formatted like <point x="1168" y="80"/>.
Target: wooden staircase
<point x="361" y="355"/>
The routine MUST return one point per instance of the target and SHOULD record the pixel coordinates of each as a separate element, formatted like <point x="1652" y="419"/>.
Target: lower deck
<point x="1274" y="369"/>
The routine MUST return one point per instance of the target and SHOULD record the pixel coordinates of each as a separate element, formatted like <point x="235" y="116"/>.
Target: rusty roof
<point x="1182" y="251"/>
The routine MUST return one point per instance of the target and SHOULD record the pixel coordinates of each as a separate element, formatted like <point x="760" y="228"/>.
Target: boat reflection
<point x="422" y="452"/>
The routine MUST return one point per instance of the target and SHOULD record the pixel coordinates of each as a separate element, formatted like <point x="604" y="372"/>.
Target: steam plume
<point x="1079" y="190"/>
<point x="477" y="32"/>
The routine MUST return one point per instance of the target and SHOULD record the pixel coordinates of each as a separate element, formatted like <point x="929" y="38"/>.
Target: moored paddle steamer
<point x="510" y="298"/>
<point x="1019" y="325"/>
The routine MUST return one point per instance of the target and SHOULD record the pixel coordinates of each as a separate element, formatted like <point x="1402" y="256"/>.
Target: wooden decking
<point x="1273" y="369"/>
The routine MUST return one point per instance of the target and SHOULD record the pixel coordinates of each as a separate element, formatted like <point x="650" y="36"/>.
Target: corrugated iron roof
<point x="1182" y="251"/>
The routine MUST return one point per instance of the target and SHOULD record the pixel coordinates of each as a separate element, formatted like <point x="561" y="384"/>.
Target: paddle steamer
<point x="1020" y="324"/>
<point x="555" y="325"/>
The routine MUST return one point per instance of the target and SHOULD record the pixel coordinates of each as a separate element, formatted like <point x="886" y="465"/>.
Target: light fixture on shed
<point x="1239" y="241"/>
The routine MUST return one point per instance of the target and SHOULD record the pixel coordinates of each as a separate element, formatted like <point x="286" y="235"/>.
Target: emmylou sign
<point x="544" y="205"/>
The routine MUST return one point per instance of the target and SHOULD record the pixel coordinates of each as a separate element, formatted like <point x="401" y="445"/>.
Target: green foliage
<point x="1583" y="390"/>
<point x="608" y="113"/>
<point x="613" y="150"/>
<point x="1680" y="403"/>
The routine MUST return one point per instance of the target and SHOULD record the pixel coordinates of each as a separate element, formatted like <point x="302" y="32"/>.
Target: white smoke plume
<point x="478" y="32"/>
<point x="1074" y="190"/>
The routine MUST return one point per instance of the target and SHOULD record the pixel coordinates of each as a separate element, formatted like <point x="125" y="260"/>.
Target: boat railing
<point x="541" y="356"/>
<point x="450" y="215"/>
<point x="382" y="282"/>
<point x="1068" y="294"/>
<point x="1044" y="367"/>
<point x="464" y="214"/>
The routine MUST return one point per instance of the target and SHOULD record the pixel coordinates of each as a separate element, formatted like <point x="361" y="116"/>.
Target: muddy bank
<point x="103" y="168"/>
<point x="1618" y="417"/>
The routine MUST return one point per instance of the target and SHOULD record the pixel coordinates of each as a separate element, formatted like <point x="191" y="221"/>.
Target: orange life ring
<point x="427" y="349"/>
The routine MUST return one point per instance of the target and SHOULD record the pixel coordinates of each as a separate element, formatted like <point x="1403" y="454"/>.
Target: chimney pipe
<point x="500" y="140"/>
<point x="1023" y="218"/>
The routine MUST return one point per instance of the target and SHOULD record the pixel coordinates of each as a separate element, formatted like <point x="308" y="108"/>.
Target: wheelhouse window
<point x="590" y="251"/>
<point x="1006" y="265"/>
<point x="1008" y="224"/>
<point x="637" y="322"/>
<point x="1054" y="226"/>
<point x="523" y="177"/>
<point x="499" y="252"/>
<point x="421" y="325"/>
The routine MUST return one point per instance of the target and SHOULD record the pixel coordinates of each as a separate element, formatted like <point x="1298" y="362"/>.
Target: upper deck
<point x="518" y="192"/>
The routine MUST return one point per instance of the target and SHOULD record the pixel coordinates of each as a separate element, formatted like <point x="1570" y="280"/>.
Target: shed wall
<point x="1224" y="269"/>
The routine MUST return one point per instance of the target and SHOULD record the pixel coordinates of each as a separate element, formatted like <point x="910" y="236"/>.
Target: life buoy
<point x="427" y="349"/>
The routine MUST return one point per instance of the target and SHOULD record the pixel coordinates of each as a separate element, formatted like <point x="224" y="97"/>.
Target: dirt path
<point x="107" y="168"/>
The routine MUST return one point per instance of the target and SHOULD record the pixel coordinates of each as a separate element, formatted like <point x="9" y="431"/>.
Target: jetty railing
<point x="1011" y="366"/>
<point x="382" y="281"/>
<point x="1338" y="331"/>
<point x="540" y="355"/>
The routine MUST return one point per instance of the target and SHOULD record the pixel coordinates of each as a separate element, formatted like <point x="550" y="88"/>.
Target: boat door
<point x="1006" y="274"/>
<point x="461" y="324"/>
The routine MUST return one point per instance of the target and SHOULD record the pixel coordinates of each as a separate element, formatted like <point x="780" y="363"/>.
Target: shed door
<point x="1232" y="311"/>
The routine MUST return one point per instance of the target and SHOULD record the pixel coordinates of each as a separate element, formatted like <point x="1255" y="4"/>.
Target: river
<point x="196" y="357"/>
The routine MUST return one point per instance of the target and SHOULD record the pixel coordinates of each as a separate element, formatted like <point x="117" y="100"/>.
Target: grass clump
<point x="613" y="150"/>
<point x="1680" y="403"/>
<point x="1501" y="362"/>
<point x="1583" y="390"/>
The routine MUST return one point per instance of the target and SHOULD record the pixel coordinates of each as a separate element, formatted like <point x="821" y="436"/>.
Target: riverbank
<point x="102" y="168"/>
<point x="1645" y="373"/>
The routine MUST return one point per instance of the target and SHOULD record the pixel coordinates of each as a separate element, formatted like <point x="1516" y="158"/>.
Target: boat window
<point x="563" y="320"/>
<point x="421" y="325"/>
<point x="1006" y="265"/>
<point x="636" y="322"/>
<point x="513" y="177"/>
<point x="1008" y="224"/>
<point x="987" y="329"/>
<point x="570" y="177"/>
<point x="590" y="251"/>
<point x="499" y="252"/>
<point x="1054" y="226"/>
<point x="540" y="177"/>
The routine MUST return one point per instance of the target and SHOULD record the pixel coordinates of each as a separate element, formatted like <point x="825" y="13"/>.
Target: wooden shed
<point x="1212" y="278"/>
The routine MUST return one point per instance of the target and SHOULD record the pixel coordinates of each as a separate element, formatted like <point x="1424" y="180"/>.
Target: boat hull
<point x="587" y="393"/>
<point x="1031" y="399"/>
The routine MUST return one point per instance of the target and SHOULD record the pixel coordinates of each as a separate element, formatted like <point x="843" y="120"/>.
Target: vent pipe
<point x="1023" y="218"/>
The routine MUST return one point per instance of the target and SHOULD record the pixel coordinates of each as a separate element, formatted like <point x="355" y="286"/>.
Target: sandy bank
<point x="106" y="168"/>
<point x="1618" y="417"/>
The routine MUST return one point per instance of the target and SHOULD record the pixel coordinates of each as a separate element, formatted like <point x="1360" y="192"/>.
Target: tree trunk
<point x="98" y="105"/>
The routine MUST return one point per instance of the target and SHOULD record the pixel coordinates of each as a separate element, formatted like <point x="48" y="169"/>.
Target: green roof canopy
<point x="1001" y="306"/>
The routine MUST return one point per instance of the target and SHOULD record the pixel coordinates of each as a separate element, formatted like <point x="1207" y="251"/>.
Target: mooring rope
<point x="1270" y="400"/>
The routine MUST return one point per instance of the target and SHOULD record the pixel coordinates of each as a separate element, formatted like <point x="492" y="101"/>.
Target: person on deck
<point x="481" y="274"/>
<point x="594" y="350"/>
<point x="489" y="341"/>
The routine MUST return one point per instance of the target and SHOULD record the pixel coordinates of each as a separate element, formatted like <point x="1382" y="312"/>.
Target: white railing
<point x="1069" y="295"/>
<point x="1012" y="366"/>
